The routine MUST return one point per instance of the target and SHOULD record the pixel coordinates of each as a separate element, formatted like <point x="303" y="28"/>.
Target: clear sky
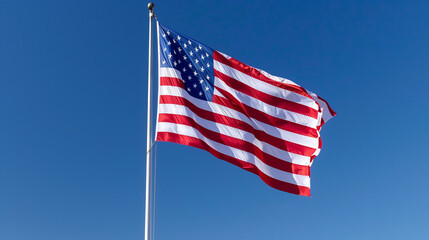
<point x="73" y="121"/>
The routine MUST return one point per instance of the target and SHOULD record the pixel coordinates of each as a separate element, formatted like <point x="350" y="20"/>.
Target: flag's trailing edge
<point x="264" y="124"/>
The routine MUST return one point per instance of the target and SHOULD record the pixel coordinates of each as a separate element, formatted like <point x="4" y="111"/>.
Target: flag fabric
<point x="264" y="124"/>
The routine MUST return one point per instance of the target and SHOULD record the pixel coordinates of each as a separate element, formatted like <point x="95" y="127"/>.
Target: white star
<point x="174" y="41"/>
<point x="208" y="65"/>
<point x="189" y="77"/>
<point x="169" y="55"/>
<point x="207" y="55"/>
<point x="185" y="45"/>
<point x="202" y="57"/>
<point x="190" y="66"/>
<point x="174" y="51"/>
<point x="179" y="61"/>
<point x="168" y="32"/>
<point x="196" y="49"/>
<point x="207" y="88"/>
<point x="175" y="63"/>
<point x="201" y="81"/>
<point x="202" y="69"/>
<point x="200" y="93"/>
<point x="189" y="42"/>
<point x="199" y="46"/>
<point x="195" y="85"/>
<point x="208" y="77"/>
<point x="180" y="50"/>
<point x="196" y="61"/>
<point x="184" y="69"/>
<point x="165" y="49"/>
<point x="168" y="43"/>
<point x="163" y="35"/>
<point x="191" y="53"/>
<point x="178" y="37"/>
<point x="163" y="62"/>
<point x="185" y="57"/>
<point x="195" y="73"/>
<point x="189" y="89"/>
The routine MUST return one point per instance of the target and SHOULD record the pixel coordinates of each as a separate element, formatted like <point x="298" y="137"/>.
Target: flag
<point x="264" y="124"/>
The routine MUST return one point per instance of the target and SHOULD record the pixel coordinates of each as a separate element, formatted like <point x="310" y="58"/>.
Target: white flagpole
<point x="148" y="203"/>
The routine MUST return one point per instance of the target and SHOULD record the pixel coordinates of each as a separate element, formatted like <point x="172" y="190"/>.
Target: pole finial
<point x="150" y="6"/>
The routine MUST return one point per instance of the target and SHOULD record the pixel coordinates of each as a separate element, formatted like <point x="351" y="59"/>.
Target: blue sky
<point x="73" y="121"/>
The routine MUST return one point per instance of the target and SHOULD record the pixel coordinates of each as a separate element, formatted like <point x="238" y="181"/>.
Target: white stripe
<point x="169" y="72"/>
<point x="236" y="153"/>
<point x="235" y="133"/>
<point x="265" y="87"/>
<point x="228" y="112"/>
<point x="267" y="108"/>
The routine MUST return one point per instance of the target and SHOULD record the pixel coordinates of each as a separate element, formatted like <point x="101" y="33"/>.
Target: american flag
<point x="264" y="124"/>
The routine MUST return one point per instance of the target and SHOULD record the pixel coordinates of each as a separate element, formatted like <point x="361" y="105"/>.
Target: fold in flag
<point x="264" y="124"/>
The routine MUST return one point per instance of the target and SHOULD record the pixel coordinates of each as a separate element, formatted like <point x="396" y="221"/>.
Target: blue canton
<point x="192" y="59"/>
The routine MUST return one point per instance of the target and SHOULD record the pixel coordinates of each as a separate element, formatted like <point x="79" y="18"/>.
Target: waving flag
<point x="264" y="124"/>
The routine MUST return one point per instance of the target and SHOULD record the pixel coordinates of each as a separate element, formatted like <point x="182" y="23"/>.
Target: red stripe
<point x="236" y="143"/>
<point x="248" y="111"/>
<point x="239" y="124"/>
<point x="172" y="81"/>
<point x="267" y="98"/>
<point x="195" y="142"/>
<point x="255" y="73"/>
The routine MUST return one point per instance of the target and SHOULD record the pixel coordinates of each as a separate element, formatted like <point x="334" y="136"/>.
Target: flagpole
<point x="148" y="203"/>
